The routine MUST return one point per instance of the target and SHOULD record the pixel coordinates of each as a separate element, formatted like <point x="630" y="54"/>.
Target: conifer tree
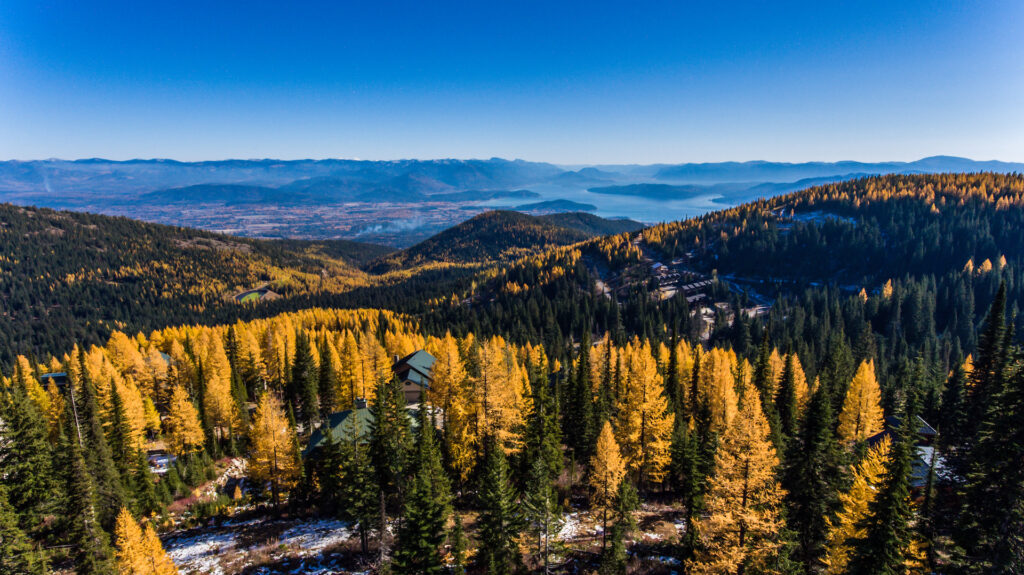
<point x="26" y="460"/>
<point x="422" y="531"/>
<point x="390" y="443"/>
<point x="811" y="478"/>
<point x="848" y="525"/>
<point x="359" y="490"/>
<point x="991" y="520"/>
<point x="304" y="381"/>
<point x="862" y="411"/>
<point x="500" y="519"/>
<point x="989" y="372"/>
<point x="888" y="543"/>
<point x="786" y="399"/>
<point x="542" y="439"/>
<point x="540" y="508"/>
<point x="607" y="468"/>
<point x="743" y="503"/>
<point x="108" y="484"/>
<point x="327" y="378"/>
<point x="17" y="554"/>
<point x="273" y="458"/>
<point x="644" y="424"/>
<point x="184" y="433"/>
<point x="458" y="546"/>
<point x="92" y="552"/>
<point x="139" y="551"/>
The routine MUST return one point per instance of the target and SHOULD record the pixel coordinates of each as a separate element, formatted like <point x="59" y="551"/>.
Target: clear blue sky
<point x="567" y="82"/>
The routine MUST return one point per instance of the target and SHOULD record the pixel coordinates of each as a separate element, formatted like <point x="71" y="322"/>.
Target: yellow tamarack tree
<point x="861" y="416"/>
<point x="139" y="551"/>
<point x="607" y="469"/>
<point x="847" y="526"/>
<point x="742" y="518"/>
<point x="644" y="425"/>
<point x="716" y="387"/>
<point x="217" y="399"/>
<point x="273" y="458"/>
<point x="183" y="432"/>
<point x="499" y="394"/>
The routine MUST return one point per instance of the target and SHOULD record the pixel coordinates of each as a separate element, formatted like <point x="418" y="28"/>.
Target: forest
<point x="870" y="421"/>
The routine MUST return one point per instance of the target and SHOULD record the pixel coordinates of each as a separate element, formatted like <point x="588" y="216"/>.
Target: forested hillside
<point x="842" y="393"/>
<point x="503" y="235"/>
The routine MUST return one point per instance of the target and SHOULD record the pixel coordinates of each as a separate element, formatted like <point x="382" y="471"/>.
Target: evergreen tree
<point x="541" y="509"/>
<point x="26" y="459"/>
<point x="17" y="554"/>
<point x="887" y="546"/>
<point x="327" y="379"/>
<point x="458" y="539"/>
<point x="417" y="549"/>
<point x="811" y="479"/>
<point x="786" y="399"/>
<point x="304" y="380"/>
<point x="542" y="440"/>
<point x="109" y="487"/>
<point x="90" y="542"/>
<point x="500" y="519"/>
<point x="991" y="520"/>
<point x="390" y="443"/>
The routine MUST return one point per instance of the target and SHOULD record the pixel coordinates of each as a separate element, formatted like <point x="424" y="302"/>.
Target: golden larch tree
<point x="742" y="507"/>
<point x="272" y="457"/>
<point x="644" y="425"/>
<point x="861" y="416"/>
<point x="607" y="469"/>
<point x="139" y="551"/>
<point x="183" y="434"/>
<point x="716" y="387"/>
<point x="217" y="399"/>
<point x="847" y="526"/>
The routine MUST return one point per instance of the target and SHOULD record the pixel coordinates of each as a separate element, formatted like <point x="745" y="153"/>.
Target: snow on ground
<point x="571" y="527"/>
<point x="300" y="545"/>
<point x="200" y="553"/>
<point x="315" y="536"/>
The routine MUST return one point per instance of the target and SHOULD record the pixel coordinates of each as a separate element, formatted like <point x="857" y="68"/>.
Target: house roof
<point x="416" y="367"/>
<point x="351" y="424"/>
<point x="923" y="429"/>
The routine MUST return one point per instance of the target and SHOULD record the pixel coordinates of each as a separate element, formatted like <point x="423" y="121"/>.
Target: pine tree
<point x="786" y="399"/>
<point x="862" y="412"/>
<point x="304" y="381"/>
<point x="888" y="543"/>
<point x="26" y="460"/>
<point x="811" y="478"/>
<point x="743" y="502"/>
<point x="991" y="520"/>
<point x="542" y="439"/>
<point x="390" y="443"/>
<point x="458" y="546"/>
<point x="540" y="508"/>
<point x="273" y="458"/>
<point x="500" y="519"/>
<point x="327" y="378"/>
<point x="421" y="534"/>
<point x="607" y="469"/>
<point x="108" y="484"/>
<point x="91" y="544"/>
<point x="359" y="491"/>
<point x="989" y="373"/>
<point x="17" y="554"/>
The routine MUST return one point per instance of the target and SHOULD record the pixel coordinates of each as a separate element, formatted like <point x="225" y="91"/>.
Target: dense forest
<point x="870" y="420"/>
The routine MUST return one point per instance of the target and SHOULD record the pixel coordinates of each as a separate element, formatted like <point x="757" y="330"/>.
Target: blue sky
<point x="566" y="82"/>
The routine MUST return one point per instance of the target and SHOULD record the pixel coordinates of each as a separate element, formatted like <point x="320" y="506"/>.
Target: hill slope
<point x="497" y="235"/>
<point x="70" y="277"/>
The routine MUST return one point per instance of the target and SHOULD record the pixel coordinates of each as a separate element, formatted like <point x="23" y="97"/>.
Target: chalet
<point x="414" y="371"/>
<point x="925" y="455"/>
<point x="59" y="379"/>
<point x="353" y="425"/>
